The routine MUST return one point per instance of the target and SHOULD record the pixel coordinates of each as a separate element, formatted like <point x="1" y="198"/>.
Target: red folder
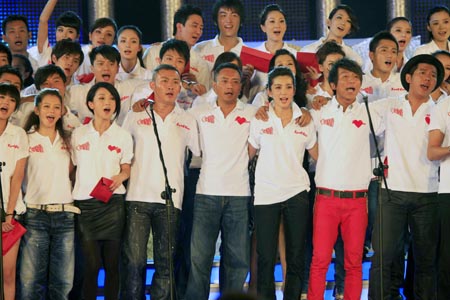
<point x="306" y="59"/>
<point x="260" y="60"/>
<point x="101" y="191"/>
<point x="11" y="237"/>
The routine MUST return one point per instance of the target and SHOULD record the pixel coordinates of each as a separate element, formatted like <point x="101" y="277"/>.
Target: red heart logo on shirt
<point x="358" y="123"/>
<point x="111" y="148"/>
<point x="368" y="90"/>
<point x="240" y="120"/>
<point x="427" y="119"/>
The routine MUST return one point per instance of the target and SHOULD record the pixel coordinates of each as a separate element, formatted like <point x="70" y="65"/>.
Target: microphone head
<point x="364" y="96"/>
<point x="151" y="98"/>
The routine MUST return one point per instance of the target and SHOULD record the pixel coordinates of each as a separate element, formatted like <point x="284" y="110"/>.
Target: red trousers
<point x="330" y="213"/>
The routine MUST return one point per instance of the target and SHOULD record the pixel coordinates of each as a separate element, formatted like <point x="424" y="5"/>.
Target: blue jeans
<point x="214" y="214"/>
<point x="141" y="217"/>
<point x="47" y="255"/>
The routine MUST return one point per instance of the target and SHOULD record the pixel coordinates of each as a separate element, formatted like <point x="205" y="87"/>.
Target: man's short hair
<point x="346" y="64"/>
<point x="11" y="70"/>
<point x="235" y="5"/>
<point x="183" y="14"/>
<point x="161" y="68"/>
<point x="44" y="72"/>
<point x="12" y="18"/>
<point x="226" y="66"/>
<point x="108" y="52"/>
<point x="377" y="38"/>
<point x="68" y="47"/>
<point x="181" y="47"/>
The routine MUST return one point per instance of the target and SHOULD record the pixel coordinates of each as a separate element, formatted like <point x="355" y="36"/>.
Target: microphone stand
<point x="2" y="290"/>
<point x="379" y="173"/>
<point x="166" y="195"/>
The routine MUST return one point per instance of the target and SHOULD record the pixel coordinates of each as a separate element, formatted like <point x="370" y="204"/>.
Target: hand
<point x="318" y="102"/>
<point x="139" y="105"/>
<point x="304" y="119"/>
<point x="7" y="226"/>
<point x="198" y="89"/>
<point x="312" y="74"/>
<point x="117" y="181"/>
<point x="188" y="77"/>
<point x="247" y="72"/>
<point x="261" y="114"/>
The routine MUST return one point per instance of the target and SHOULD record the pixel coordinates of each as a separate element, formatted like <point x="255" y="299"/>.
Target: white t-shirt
<point x="197" y="65"/>
<point x="428" y="48"/>
<point x="405" y="146"/>
<point x="47" y="175"/>
<point x="177" y="131"/>
<point x="78" y="93"/>
<point x="376" y="89"/>
<point x="99" y="156"/>
<point x="138" y="72"/>
<point x="440" y="120"/>
<point x="210" y="49"/>
<point x="223" y="142"/>
<point x="344" y="152"/>
<point x="13" y="147"/>
<point x="44" y="58"/>
<point x="279" y="172"/>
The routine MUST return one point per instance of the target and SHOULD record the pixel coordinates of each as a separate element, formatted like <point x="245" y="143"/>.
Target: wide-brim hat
<point x="425" y="59"/>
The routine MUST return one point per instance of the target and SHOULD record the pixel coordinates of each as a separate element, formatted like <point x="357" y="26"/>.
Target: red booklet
<point x="306" y="59"/>
<point x="101" y="191"/>
<point x="11" y="237"/>
<point x="260" y="60"/>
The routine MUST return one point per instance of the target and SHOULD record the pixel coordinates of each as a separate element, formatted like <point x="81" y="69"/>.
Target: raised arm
<point x="43" y="24"/>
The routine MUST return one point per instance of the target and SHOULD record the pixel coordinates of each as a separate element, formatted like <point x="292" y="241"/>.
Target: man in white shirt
<point x="16" y="34"/>
<point x="228" y="16"/>
<point x="412" y="180"/>
<point x="343" y="174"/>
<point x="439" y="149"/>
<point x="188" y="27"/>
<point x="223" y="191"/>
<point x="146" y="210"/>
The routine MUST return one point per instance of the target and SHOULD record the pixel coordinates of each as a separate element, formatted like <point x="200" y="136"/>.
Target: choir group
<point x="274" y="157"/>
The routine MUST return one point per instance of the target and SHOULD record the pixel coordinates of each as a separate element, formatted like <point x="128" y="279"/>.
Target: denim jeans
<point x="372" y="204"/>
<point x="267" y="219"/>
<point x="444" y="248"/>
<point x="46" y="266"/>
<point x="141" y="218"/>
<point x="183" y="253"/>
<point x="214" y="214"/>
<point x="420" y="212"/>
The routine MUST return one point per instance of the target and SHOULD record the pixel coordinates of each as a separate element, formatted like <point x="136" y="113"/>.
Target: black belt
<point x="341" y="194"/>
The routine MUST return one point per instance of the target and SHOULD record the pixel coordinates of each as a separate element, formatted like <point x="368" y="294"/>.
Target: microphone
<point x="364" y="96"/>
<point x="151" y="99"/>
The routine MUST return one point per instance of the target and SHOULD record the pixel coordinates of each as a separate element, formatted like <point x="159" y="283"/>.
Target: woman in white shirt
<point x="101" y="149"/>
<point x="50" y="217"/>
<point x="438" y="26"/>
<point x="13" y="153"/>
<point x="281" y="185"/>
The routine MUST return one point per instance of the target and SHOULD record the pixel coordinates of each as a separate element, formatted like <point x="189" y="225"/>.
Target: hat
<point x="425" y="59"/>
